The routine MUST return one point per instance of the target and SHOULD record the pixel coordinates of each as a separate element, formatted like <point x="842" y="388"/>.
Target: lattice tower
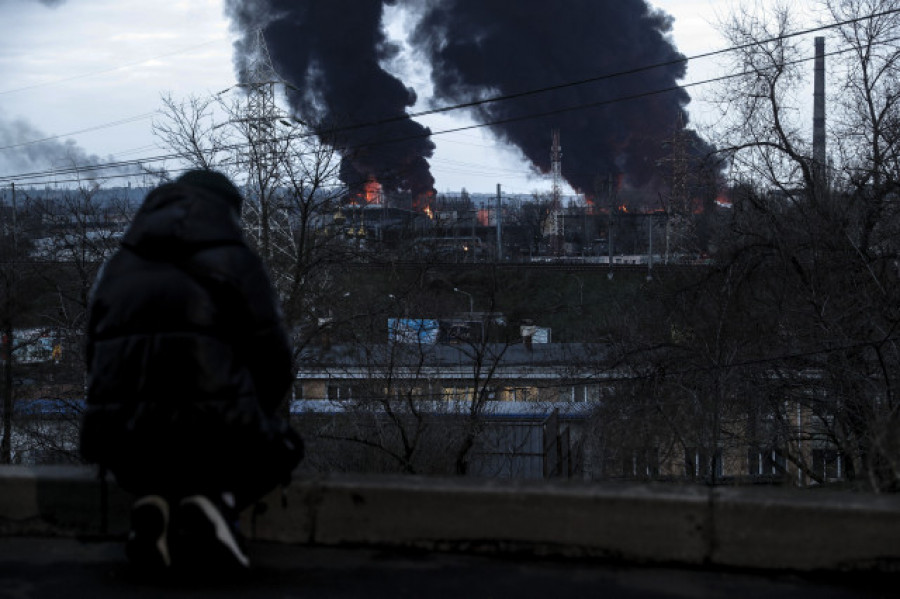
<point x="260" y="81"/>
<point x="556" y="170"/>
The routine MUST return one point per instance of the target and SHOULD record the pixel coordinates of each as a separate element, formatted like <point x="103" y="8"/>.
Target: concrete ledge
<point x="461" y="514"/>
<point x="60" y="500"/>
<point x="781" y="529"/>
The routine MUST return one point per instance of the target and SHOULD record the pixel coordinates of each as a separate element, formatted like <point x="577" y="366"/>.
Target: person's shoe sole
<point x="205" y="539"/>
<point x="147" y="544"/>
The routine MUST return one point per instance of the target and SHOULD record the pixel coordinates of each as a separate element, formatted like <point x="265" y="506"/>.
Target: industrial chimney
<point x="819" y="107"/>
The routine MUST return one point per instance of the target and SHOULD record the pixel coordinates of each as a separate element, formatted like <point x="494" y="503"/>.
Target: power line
<point x="138" y="162"/>
<point x="108" y="125"/>
<point x="484" y="101"/>
<point x="607" y="76"/>
<point x="543" y="114"/>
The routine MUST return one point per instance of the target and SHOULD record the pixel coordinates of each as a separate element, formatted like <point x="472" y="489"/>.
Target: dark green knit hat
<point x="214" y="182"/>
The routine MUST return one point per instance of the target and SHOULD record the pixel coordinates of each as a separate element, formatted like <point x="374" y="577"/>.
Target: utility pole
<point x="11" y="263"/>
<point x="666" y="261"/>
<point x="499" y="228"/>
<point x="609" y="228"/>
<point x="474" y="220"/>
<point x="650" y="246"/>
<point x="679" y="219"/>
<point x="471" y="299"/>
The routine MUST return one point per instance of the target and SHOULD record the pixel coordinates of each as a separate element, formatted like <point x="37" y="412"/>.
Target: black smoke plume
<point x="332" y="50"/>
<point x="511" y="47"/>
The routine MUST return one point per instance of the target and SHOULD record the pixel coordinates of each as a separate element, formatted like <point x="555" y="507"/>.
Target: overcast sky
<point x="92" y="72"/>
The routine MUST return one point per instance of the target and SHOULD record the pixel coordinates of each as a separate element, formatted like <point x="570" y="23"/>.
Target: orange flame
<point x="423" y="201"/>
<point x="372" y="192"/>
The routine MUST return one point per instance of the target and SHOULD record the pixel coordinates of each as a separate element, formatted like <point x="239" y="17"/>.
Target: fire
<point x="372" y="192"/>
<point x="589" y="205"/>
<point x="423" y="203"/>
<point x="623" y="208"/>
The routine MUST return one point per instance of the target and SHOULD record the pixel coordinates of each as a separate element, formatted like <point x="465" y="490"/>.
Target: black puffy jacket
<point x="187" y="354"/>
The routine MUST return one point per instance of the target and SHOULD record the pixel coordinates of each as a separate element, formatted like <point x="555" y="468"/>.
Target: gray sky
<point x="92" y="72"/>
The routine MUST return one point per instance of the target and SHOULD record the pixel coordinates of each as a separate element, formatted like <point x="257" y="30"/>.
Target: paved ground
<point x="41" y="568"/>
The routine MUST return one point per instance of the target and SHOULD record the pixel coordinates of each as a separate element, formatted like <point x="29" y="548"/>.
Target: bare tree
<point x="13" y="309"/>
<point x="411" y="396"/>
<point x="63" y="238"/>
<point x="530" y="222"/>
<point x="191" y="129"/>
<point x="821" y="249"/>
<point x="289" y="175"/>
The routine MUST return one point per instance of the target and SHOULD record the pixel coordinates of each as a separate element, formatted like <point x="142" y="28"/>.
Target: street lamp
<point x="471" y="300"/>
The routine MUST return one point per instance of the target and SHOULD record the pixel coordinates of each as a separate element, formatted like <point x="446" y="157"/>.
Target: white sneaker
<point x="206" y="537"/>
<point x="147" y="545"/>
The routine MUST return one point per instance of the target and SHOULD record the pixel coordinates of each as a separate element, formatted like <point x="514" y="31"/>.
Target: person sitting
<point x="188" y="361"/>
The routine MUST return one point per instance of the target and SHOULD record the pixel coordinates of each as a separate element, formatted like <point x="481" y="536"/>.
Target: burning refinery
<point x="509" y="68"/>
<point x="482" y="55"/>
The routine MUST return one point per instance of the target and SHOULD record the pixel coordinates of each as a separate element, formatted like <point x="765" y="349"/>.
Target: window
<point x="520" y="393"/>
<point x="579" y="393"/>
<point x="456" y="393"/>
<point x="827" y="464"/>
<point x="642" y="463"/>
<point x="765" y="462"/>
<point x="340" y="392"/>
<point x="701" y="464"/>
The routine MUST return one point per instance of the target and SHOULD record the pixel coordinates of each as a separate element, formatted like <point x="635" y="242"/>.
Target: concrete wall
<point x="784" y="529"/>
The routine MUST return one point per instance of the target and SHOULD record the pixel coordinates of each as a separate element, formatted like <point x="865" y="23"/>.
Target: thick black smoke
<point x="332" y="50"/>
<point x="510" y="47"/>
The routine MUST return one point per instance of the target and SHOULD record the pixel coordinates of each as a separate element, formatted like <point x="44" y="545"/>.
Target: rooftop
<point x="375" y="536"/>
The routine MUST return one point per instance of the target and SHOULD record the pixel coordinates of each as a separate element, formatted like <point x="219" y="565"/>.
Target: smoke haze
<point x="332" y="50"/>
<point x="19" y="155"/>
